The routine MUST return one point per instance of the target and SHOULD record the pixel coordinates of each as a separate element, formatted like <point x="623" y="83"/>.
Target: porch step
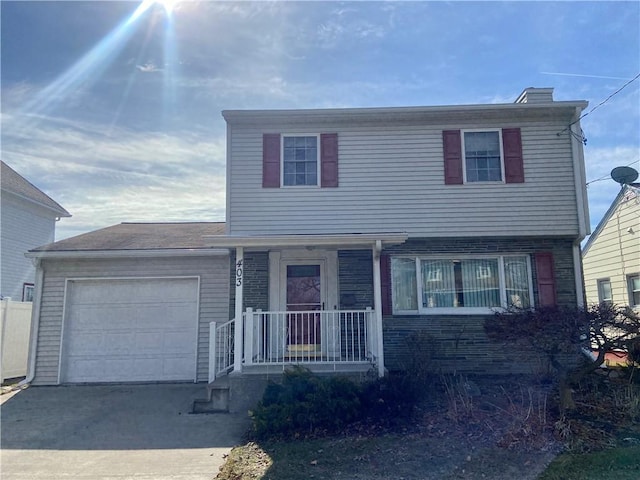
<point x="240" y="393"/>
<point x="217" y="400"/>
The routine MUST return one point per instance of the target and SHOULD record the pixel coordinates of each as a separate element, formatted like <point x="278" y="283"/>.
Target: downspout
<point x="35" y="323"/>
<point x="580" y="181"/>
<point x="377" y="306"/>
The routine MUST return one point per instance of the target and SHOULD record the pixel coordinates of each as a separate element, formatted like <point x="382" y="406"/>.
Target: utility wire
<point x="601" y="103"/>
<point x="608" y="175"/>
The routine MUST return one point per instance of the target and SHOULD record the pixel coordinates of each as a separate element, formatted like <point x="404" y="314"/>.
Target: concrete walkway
<point x="113" y="432"/>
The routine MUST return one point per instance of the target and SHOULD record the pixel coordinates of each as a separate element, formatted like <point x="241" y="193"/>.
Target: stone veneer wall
<point x="355" y="279"/>
<point x="256" y="281"/>
<point x="460" y="342"/>
<point x="462" y="345"/>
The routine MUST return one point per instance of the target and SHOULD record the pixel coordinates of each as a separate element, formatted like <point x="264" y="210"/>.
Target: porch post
<point x="239" y="324"/>
<point x="377" y="305"/>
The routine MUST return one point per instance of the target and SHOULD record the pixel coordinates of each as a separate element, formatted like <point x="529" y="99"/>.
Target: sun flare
<point x="168" y="5"/>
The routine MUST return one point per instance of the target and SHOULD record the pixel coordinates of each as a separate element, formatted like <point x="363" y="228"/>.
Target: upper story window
<point x="604" y="291"/>
<point x="488" y="155"/>
<point x="633" y="285"/>
<point x="482" y="156"/>
<point x="300" y="160"/>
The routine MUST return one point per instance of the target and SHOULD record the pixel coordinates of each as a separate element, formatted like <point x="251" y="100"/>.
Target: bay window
<point x="462" y="284"/>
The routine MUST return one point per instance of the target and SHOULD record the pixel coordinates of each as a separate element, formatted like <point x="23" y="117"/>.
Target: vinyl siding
<point x="615" y="253"/>
<point x="24" y="226"/>
<point x="391" y="179"/>
<point x="214" y="291"/>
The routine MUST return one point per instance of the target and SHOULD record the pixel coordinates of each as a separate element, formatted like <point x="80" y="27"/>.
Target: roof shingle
<point x="12" y="182"/>
<point x="139" y="236"/>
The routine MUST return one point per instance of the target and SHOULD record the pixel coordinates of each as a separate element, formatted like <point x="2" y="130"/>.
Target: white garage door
<point x="130" y="330"/>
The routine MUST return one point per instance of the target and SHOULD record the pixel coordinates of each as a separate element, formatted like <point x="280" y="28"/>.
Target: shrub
<point x="305" y="404"/>
<point x="560" y="334"/>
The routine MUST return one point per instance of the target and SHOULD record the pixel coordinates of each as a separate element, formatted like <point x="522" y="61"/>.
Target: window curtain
<point x="516" y="278"/>
<point x="404" y="284"/>
<point x="438" y="284"/>
<point x="480" y="283"/>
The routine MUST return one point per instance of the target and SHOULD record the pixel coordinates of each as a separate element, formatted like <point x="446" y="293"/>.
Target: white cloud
<point x="148" y="67"/>
<point x="128" y="176"/>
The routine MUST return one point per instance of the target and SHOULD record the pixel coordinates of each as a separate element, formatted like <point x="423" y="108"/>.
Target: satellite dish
<point x="624" y="175"/>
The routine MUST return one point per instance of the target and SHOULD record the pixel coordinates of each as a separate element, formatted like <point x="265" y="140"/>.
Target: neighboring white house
<point x="28" y="220"/>
<point x="347" y="230"/>
<point x="611" y="256"/>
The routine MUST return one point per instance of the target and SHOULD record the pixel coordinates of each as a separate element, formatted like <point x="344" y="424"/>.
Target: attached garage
<point x="128" y="303"/>
<point x="130" y="330"/>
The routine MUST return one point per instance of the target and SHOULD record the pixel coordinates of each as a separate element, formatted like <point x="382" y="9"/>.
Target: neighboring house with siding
<point x="28" y="220"/>
<point x="611" y="256"/>
<point x="346" y="231"/>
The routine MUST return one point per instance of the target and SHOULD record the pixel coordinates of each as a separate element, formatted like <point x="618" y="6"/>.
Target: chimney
<point x="536" y="95"/>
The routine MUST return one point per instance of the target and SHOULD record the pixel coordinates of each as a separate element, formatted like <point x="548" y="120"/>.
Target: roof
<point x="532" y="103"/>
<point x="139" y="236"/>
<point x="12" y="182"/>
<point x="634" y="188"/>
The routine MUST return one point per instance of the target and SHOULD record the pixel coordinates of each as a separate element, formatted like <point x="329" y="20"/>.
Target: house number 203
<point x="239" y="273"/>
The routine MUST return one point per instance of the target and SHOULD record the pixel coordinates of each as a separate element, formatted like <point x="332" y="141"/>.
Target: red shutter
<point x="271" y="160"/>
<point x="512" y="148"/>
<point x="385" y="284"/>
<point x="545" y="279"/>
<point x="329" y="159"/>
<point x="452" y="157"/>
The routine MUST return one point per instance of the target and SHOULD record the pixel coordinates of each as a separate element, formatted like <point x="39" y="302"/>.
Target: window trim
<point x="630" y="289"/>
<point x="25" y="288"/>
<point x="318" y="159"/>
<point x="600" y="282"/>
<point x="461" y="310"/>
<point x="464" y="155"/>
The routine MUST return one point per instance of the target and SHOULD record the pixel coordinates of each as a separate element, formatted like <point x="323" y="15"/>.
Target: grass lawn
<point x="617" y="463"/>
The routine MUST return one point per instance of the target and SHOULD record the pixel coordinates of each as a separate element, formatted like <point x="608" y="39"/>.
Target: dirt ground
<point x="474" y="429"/>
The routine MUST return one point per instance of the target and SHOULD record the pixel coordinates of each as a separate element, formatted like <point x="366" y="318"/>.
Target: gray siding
<point x="24" y="226"/>
<point x="214" y="291"/>
<point x="391" y="179"/>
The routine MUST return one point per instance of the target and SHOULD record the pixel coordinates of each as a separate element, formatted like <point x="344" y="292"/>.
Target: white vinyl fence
<point x="15" y="327"/>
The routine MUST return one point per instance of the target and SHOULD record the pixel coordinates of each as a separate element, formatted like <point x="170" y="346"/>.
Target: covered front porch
<point x="311" y="318"/>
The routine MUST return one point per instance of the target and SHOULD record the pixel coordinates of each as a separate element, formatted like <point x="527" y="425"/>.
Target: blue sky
<point x="114" y="109"/>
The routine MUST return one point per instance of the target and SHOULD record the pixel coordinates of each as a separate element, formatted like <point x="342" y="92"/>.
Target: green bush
<point x="305" y="404"/>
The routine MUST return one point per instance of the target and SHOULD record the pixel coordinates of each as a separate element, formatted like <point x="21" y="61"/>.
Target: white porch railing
<point x="320" y="337"/>
<point x="309" y="337"/>
<point x="220" y="348"/>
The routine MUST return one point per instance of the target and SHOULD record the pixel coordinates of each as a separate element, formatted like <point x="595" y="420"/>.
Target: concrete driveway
<point x="113" y="432"/>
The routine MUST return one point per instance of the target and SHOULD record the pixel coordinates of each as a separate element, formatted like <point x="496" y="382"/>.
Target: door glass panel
<point x="303" y="296"/>
<point x="303" y="287"/>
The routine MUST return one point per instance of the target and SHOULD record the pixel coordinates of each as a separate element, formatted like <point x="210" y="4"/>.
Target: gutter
<point x="35" y="324"/>
<point x="355" y="240"/>
<point x="161" y="252"/>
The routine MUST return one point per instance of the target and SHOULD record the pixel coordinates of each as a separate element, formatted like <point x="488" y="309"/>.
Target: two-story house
<point x="28" y="219"/>
<point x="347" y="230"/>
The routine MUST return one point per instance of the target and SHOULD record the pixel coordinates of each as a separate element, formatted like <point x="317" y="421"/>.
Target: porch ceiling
<point x="345" y="241"/>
